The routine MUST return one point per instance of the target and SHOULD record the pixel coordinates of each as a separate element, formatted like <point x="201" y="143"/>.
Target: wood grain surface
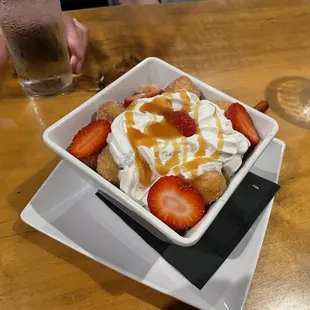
<point x="250" y="49"/>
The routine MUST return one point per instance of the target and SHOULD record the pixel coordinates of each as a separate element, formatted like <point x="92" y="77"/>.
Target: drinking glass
<point x="34" y="31"/>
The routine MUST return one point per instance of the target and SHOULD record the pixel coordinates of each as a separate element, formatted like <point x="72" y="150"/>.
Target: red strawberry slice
<point x="176" y="203"/>
<point x="181" y="120"/>
<point x="131" y="99"/>
<point x="90" y="139"/>
<point x="242" y="122"/>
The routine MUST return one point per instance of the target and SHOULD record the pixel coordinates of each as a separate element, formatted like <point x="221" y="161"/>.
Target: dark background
<point x="81" y="4"/>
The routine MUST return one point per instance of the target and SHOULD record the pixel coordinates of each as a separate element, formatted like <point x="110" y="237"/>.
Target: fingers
<point x="83" y="32"/>
<point x="4" y="53"/>
<point x="77" y="37"/>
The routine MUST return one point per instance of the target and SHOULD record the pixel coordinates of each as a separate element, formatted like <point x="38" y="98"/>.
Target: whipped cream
<point x="146" y="148"/>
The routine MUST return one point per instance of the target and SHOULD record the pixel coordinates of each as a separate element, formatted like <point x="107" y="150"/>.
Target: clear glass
<point x="34" y="30"/>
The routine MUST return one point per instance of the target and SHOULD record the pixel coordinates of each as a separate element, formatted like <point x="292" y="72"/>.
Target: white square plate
<point x="150" y="71"/>
<point x="66" y="202"/>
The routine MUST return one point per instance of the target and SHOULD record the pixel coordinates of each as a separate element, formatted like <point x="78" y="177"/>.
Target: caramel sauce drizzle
<point x="162" y="130"/>
<point x="186" y="101"/>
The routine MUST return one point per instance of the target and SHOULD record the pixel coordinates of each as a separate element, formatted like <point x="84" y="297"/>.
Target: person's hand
<point x="77" y="37"/>
<point x="4" y="53"/>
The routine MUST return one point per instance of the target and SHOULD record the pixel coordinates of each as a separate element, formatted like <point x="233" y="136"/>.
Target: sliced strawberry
<point x="181" y="120"/>
<point x="131" y="99"/>
<point x="176" y="203"/>
<point x="90" y="139"/>
<point x="242" y="122"/>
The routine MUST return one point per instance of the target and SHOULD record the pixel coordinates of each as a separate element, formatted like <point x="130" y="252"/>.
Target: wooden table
<point x="247" y="48"/>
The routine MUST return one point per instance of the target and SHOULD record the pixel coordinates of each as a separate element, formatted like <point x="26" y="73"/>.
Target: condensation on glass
<point x="34" y="31"/>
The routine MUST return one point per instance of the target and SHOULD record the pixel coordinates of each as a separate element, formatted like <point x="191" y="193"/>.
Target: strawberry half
<point x="131" y="99"/>
<point x="181" y="120"/>
<point x="242" y="122"/>
<point x="176" y="203"/>
<point x="90" y="140"/>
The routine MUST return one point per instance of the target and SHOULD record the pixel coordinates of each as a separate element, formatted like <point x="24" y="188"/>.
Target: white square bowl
<point x="150" y="71"/>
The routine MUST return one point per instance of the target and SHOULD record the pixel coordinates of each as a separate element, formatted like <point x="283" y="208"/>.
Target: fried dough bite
<point x="147" y="88"/>
<point x="226" y="176"/>
<point x="107" y="167"/>
<point x="183" y="83"/>
<point x="91" y="161"/>
<point x="211" y="185"/>
<point x="110" y="110"/>
<point x="93" y="117"/>
<point x="222" y="104"/>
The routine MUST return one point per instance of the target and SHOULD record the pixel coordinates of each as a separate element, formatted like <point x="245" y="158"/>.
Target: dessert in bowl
<point x="109" y="164"/>
<point x="170" y="150"/>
